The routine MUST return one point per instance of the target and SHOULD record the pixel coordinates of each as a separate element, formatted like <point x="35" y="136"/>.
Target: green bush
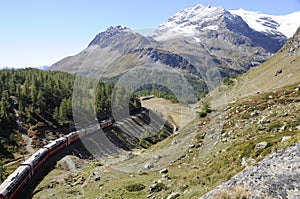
<point x="227" y="81"/>
<point x="135" y="187"/>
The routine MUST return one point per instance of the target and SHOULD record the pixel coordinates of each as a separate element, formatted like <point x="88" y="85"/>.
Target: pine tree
<point x="3" y="172"/>
<point x="56" y="114"/>
<point x="5" y="106"/>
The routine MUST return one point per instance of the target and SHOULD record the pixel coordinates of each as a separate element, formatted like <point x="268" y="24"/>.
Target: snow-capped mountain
<point x="285" y="24"/>
<point x="190" y="21"/>
<point x="217" y="27"/>
<point x="201" y="39"/>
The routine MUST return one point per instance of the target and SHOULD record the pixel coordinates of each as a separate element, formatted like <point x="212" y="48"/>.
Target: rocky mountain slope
<point x="205" y="23"/>
<point x="279" y="71"/>
<point x="277" y="175"/>
<point x="210" y="40"/>
<point x="274" y="177"/>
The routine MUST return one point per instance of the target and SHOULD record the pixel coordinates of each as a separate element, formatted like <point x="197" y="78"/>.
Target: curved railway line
<point x="117" y="136"/>
<point x="16" y="182"/>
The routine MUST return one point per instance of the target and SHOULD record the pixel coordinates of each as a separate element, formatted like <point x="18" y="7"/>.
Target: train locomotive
<point x="15" y="182"/>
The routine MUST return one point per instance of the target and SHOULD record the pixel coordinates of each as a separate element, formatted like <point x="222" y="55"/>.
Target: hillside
<point x="279" y="71"/>
<point x="29" y="99"/>
<point x="194" y="160"/>
<point x="37" y="107"/>
<point x="256" y="128"/>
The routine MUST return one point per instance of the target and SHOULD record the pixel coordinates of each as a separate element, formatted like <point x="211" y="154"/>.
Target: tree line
<point x="30" y="97"/>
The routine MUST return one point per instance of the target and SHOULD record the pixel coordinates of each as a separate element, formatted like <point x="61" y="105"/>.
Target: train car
<point x="72" y="137"/>
<point x="105" y="123"/>
<point x="37" y="160"/>
<point x="15" y="182"/>
<point x="81" y="133"/>
<point x="56" y="146"/>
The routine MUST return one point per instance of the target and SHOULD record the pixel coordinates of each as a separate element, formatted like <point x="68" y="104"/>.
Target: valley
<point x="207" y="106"/>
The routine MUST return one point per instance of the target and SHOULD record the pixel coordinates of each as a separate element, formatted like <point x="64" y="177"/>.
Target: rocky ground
<point x="277" y="176"/>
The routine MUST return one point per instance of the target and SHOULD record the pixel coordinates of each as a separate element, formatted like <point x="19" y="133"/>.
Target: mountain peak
<point x="111" y="32"/>
<point x="117" y="28"/>
<point x="190" y="21"/>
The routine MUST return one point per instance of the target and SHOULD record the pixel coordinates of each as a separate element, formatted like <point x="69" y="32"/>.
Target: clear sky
<point x="41" y="32"/>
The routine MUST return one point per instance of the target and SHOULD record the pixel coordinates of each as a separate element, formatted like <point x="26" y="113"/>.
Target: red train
<point x="16" y="181"/>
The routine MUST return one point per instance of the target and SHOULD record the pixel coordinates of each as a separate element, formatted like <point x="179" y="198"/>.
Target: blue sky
<point x="36" y="33"/>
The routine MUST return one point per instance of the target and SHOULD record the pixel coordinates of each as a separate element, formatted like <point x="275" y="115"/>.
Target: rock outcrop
<point x="277" y="176"/>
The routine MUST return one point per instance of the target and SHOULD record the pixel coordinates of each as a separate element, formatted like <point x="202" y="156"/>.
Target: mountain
<point x="202" y="42"/>
<point x="104" y="50"/>
<point x="250" y="149"/>
<point x="270" y="24"/>
<point x="261" y="118"/>
<point x="206" y="22"/>
<point x="272" y="87"/>
<point x="279" y="71"/>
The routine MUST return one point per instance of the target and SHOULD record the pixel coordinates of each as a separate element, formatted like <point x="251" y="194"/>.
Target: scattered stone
<point x="254" y="113"/>
<point x="174" y="142"/>
<point x="157" y="158"/>
<point x="130" y="156"/>
<point x="264" y="120"/>
<point x="156" y="187"/>
<point x="228" y="108"/>
<point x="248" y="162"/>
<point x="165" y="170"/>
<point x="261" y="145"/>
<point x="149" y="165"/>
<point x="166" y="177"/>
<point x="173" y="195"/>
<point x="199" y="145"/>
<point x="183" y="187"/>
<point x="150" y="196"/>
<point x="278" y="72"/>
<point x="52" y="185"/>
<point x="286" y="138"/>
<point x="95" y="176"/>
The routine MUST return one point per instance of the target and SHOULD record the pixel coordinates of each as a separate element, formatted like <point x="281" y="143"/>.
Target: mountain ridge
<point x="215" y="48"/>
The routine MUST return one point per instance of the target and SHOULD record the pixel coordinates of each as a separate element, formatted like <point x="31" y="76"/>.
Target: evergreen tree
<point x="56" y="114"/>
<point x="3" y="172"/>
<point x="5" y="107"/>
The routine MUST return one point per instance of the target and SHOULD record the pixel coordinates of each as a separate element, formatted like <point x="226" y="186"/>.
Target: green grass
<point x="201" y="168"/>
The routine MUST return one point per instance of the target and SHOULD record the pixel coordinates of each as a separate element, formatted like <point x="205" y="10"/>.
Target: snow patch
<point x="212" y="27"/>
<point x="197" y="39"/>
<point x="189" y="21"/>
<point x="286" y="24"/>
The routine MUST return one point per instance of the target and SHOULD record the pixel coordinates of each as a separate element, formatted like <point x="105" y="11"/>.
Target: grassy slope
<point x="212" y="155"/>
<point x="262" y="78"/>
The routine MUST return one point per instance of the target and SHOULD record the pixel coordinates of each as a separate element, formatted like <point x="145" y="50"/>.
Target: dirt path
<point x="179" y="113"/>
<point x="27" y="141"/>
